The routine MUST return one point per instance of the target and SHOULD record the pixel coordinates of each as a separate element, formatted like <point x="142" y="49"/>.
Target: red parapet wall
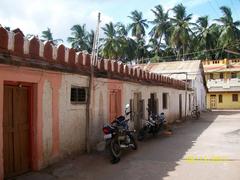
<point x="18" y="44"/>
<point x="3" y="38"/>
<point x="80" y="59"/>
<point x="72" y="56"/>
<point x="48" y="51"/>
<point x="36" y="50"/>
<point x="61" y="54"/>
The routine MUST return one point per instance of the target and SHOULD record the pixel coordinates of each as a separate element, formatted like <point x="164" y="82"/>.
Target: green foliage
<point x="81" y="39"/>
<point x="47" y="36"/>
<point x="155" y="59"/>
<point x="138" y="24"/>
<point x="170" y="38"/>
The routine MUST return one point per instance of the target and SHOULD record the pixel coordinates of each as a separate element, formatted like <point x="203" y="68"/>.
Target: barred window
<point x="221" y="75"/>
<point x="220" y="100"/>
<point x="78" y="95"/>
<point x="165" y="100"/>
<point x="234" y="97"/>
<point x="233" y="75"/>
<point x="211" y="75"/>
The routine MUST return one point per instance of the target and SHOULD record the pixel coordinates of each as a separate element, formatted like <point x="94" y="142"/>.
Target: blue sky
<point x="35" y="16"/>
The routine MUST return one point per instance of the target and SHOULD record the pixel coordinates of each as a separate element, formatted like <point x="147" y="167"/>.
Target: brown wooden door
<point x="114" y="104"/>
<point x="16" y="131"/>
<point x="213" y="101"/>
<point x="137" y="110"/>
<point x="152" y="104"/>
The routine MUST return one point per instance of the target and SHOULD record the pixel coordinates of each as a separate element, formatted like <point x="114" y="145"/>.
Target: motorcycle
<point x="153" y="125"/>
<point x="118" y="136"/>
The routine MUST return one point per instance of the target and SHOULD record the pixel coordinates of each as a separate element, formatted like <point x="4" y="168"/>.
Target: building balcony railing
<point x="224" y="84"/>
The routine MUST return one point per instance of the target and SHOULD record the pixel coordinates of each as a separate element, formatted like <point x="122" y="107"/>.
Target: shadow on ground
<point x="154" y="159"/>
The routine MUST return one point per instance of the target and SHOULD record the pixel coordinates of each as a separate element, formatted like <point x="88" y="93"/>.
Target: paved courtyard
<point x="208" y="148"/>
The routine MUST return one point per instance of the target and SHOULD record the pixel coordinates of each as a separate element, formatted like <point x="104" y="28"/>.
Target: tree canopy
<point x="164" y="38"/>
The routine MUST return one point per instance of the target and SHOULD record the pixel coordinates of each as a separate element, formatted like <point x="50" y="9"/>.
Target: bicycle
<point x="195" y="114"/>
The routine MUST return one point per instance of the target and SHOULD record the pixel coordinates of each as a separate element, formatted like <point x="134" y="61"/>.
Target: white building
<point x="44" y="95"/>
<point x="191" y="70"/>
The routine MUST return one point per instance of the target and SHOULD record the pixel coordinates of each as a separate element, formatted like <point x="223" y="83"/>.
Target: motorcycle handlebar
<point x="127" y="113"/>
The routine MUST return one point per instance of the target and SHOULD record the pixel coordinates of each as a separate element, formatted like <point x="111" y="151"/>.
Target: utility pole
<point x="89" y="111"/>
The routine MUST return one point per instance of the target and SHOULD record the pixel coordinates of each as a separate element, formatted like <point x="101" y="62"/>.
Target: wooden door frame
<point x="155" y="98"/>
<point x="30" y="87"/>
<point x="118" y="101"/>
<point x="215" y="99"/>
<point x="136" y="119"/>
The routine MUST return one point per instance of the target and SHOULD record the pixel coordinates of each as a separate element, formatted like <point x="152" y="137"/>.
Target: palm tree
<point x="79" y="37"/>
<point x="142" y="50"/>
<point x="128" y="45"/>
<point x="206" y="37"/>
<point x="47" y="36"/>
<point x="111" y="46"/>
<point x="137" y="28"/>
<point x="180" y="30"/>
<point x="229" y="29"/>
<point x="138" y="24"/>
<point x="7" y="28"/>
<point x="90" y="39"/>
<point x="161" y="24"/>
<point x="160" y="30"/>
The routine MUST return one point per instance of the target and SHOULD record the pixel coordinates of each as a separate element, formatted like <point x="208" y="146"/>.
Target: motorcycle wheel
<point x="154" y="131"/>
<point x="198" y="115"/>
<point x="132" y="141"/>
<point x="115" y="160"/>
<point x="115" y="149"/>
<point x="194" y="115"/>
<point x="141" y="134"/>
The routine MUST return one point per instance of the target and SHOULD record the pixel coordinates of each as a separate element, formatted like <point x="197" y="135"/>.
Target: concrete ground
<point x="208" y="148"/>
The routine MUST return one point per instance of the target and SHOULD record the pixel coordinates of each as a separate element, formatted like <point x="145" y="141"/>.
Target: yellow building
<point x="223" y="82"/>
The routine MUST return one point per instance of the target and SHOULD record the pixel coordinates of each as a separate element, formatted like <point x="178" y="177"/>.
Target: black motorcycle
<point x="153" y="125"/>
<point x="118" y="136"/>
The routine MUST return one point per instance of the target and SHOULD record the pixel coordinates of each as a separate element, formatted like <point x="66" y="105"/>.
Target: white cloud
<point x="104" y="18"/>
<point x="32" y="17"/>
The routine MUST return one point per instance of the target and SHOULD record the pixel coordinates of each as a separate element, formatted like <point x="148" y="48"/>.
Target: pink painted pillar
<point x="55" y="120"/>
<point x="38" y="147"/>
<point x="1" y="129"/>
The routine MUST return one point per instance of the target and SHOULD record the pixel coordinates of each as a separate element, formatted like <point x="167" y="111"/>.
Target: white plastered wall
<point x="100" y="109"/>
<point x="200" y="91"/>
<point x="47" y="122"/>
<point x="72" y="117"/>
<point x="172" y="111"/>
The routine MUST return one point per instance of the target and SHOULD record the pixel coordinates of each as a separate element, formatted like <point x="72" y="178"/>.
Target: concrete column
<point x="38" y="125"/>
<point x="55" y="120"/>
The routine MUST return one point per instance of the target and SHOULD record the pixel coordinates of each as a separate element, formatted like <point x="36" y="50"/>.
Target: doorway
<point x="138" y="110"/>
<point x="115" y="104"/>
<point x="213" y="102"/>
<point x="16" y="129"/>
<point x="153" y="103"/>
